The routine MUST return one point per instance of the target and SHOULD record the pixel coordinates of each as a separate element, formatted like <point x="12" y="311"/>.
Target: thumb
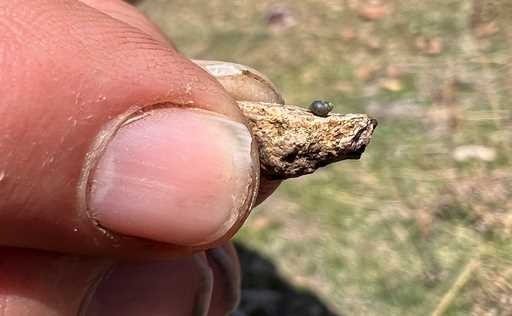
<point x="112" y="142"/>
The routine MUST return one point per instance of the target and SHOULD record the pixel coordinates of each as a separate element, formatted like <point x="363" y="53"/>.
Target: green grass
<point x="389" y="234"/>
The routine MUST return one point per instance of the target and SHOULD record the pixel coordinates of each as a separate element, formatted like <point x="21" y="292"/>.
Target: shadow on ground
<point x="266" y="293"/>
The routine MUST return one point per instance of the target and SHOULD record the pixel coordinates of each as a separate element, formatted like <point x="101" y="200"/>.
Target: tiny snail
<point x="321" y="108"/>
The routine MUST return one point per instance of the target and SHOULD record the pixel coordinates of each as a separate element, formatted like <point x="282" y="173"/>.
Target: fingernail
<point x="180" y="176"/>
<point x="179" y="287"/>
<point x="220" y="68"/>
<point x="242" y="82"/>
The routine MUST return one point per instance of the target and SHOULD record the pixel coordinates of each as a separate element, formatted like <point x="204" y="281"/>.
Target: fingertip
<point x="178" y="176"/>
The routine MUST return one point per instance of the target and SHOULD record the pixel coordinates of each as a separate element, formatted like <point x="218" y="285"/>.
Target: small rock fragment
<point x="293" y="141"/>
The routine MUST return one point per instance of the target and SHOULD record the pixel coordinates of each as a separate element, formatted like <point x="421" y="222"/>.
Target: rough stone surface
<point x="293" y="141"/>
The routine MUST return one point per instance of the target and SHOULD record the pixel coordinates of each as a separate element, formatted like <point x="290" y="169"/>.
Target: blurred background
<point x="422" y="224"/>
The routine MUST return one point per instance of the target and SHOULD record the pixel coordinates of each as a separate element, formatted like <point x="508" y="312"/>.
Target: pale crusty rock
<point x="293" y="141"/>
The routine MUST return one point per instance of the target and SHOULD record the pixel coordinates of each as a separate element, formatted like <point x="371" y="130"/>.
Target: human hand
<point x="116" y="147"/>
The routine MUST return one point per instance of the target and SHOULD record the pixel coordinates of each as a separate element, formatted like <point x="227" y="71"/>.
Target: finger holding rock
<point x="244" y="83"/>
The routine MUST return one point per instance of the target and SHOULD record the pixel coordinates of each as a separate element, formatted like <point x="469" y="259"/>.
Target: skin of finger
<point x="54" y="105"/>
<point x="128" y="14"/>
<point x="182" y="286"/>
<point x="37" y="283"/>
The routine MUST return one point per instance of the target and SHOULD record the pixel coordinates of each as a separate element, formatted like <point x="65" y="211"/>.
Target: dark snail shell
<point x="321" y="108"/>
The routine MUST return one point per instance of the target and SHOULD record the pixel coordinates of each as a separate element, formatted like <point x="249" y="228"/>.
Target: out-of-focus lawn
<point x="427" y="212"/>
